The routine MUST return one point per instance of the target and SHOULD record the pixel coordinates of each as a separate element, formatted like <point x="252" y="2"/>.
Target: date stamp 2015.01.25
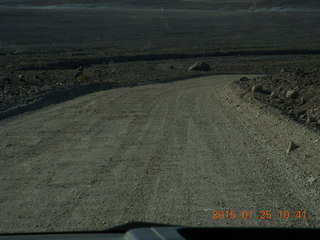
<point x="263" y="214"/>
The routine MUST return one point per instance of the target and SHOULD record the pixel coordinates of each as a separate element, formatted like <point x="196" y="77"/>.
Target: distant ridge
<point x="175" y="4"/>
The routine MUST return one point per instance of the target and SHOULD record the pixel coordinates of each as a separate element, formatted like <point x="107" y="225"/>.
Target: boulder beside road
<point x="199" y="66"/>
<point x="292" y="94"/>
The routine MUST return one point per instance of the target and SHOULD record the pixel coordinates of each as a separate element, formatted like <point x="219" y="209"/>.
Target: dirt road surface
<point x="167" y="153"/>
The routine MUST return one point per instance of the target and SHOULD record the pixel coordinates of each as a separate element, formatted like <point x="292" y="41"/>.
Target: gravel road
<point x="166" y="153"/>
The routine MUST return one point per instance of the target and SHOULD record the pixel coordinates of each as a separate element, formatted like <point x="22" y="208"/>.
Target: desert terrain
<point x="104" y="121"/>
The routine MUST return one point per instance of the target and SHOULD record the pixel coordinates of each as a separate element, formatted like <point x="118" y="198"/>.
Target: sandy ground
<point x="167" y="153"/>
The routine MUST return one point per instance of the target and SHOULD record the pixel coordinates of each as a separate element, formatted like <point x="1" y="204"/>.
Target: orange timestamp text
<point x="263" y="214"/>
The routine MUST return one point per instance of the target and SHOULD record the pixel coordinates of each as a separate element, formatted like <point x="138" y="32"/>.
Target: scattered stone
<point x="280" y="89"/>
<point x="273" y="94"/>
<point x="199" y="66"/>
<point x="292" y="146"/>
<point x="256" y="88"/>
<point x="311" y="180"/>
<point x="303" y="117"/>
<point x="293" y="94"/>
<point x="307" y="155"/>
<point x="79" y="72"/>
<point x="283" y="70"/>
<point x="20" y="76"/>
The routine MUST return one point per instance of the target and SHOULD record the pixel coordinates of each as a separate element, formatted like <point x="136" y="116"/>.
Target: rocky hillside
<point x="296" y="93"/>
